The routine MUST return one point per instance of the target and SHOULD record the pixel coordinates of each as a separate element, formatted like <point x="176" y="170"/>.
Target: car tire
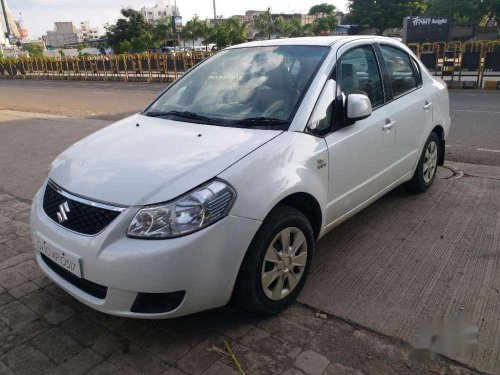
<point x="427" y="166"/>
<point x="262" y="263"/>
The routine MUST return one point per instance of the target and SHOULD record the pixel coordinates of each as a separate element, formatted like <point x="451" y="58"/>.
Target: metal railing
<point x="474" y="61"/>
<point x="150" y="67"/>
<point x="457" y="62"/>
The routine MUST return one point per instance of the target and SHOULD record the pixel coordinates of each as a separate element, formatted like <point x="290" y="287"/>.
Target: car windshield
<point x="251" y="86"/>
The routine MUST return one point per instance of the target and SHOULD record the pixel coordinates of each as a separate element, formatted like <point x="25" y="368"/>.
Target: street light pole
<point x="4" y="11"/>
<point x="176" y="12"/>
<point x="215" y="20"/>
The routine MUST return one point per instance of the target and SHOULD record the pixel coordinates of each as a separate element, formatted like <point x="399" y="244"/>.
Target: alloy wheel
<point x="430" y="162"/>
<point x="284" y="263"/>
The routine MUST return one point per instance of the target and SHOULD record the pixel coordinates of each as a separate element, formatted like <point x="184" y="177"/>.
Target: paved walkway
<point x="42" y="329"/>
<point x="408" y="257"/>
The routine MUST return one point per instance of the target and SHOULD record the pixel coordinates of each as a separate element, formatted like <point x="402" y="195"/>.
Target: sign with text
<point x="426" y="29"/>
<point x="177" y="24"/>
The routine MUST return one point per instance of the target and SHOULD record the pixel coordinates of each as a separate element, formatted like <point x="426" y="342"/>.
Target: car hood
<point x="143" y="160"/>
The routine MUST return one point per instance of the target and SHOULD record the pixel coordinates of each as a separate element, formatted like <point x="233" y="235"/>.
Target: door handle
<point x="427" y="105"/>
<point x="388" y="124"/>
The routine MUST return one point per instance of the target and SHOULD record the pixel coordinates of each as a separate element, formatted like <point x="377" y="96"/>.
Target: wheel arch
<point x="308" y="205"/>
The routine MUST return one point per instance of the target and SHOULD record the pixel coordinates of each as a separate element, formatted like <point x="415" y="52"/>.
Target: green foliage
<point x="190" y="31"/>
<point x="34" y="50"/>
<point x="125" y="46"/>
<point x="290" y="27"/>
<point x="466" y="12"/>
<point x="162" y="32"/>
<point x="265" y="24"/>
<point x="269" y="26"/>
<point x="384" y="14"/>
<point x="130" y="34"/>
<point x="322" y="9"/>
<point x="101" y="47"/>
<point x="80" y="47"/>
<point x="205" y="30"/>
<point x="236" y="31"/>
<point x="324" y="25"/>
<point x="228" y="33"/>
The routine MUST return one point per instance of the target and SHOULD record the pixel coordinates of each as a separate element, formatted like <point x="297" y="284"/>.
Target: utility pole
<point x="216" y="23"/>
<point x="4" y="11"/>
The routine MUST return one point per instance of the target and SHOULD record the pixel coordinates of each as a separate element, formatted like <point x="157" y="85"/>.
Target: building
<point x="86" y="33"/>
<point x="162" y="10"/>
<point x="249" y="18"/>
<point x="64" y="33"/>
<point x="23" y="31"/>
<point x="3" y="40"/>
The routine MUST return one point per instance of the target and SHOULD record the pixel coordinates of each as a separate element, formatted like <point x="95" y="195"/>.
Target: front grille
<point x="78" y="215"/>
<point x="96" y="290"/>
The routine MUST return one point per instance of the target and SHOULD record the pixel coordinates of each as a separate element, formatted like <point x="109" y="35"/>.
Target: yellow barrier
<point x="448" y="58"/>
<point x="139" y="67"/>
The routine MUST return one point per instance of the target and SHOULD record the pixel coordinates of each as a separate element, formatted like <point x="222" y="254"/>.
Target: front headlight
<point x="190" y="213"/>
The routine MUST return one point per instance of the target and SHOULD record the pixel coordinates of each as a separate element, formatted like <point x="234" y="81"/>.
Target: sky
<point x="39" y="15"/>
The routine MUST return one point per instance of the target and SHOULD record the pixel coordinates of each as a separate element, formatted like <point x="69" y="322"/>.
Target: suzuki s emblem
<point x="63" y="210"/>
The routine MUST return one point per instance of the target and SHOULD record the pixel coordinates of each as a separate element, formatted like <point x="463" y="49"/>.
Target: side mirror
<point x="358" y="107"/>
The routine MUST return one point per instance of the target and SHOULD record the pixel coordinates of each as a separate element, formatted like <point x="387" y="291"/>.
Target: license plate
<point x="63" y="259"/>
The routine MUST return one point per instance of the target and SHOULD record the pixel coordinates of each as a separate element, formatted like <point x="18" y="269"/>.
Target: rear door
<point x="361" y="155"/>
<point x="413" y="103"/>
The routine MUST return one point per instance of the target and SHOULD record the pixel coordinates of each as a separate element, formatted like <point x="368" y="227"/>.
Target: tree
<point x="236" y="31"/>
<point x="101" y="46"/>
<point x="265" y="24"/>
<point x="322" y="9"/>
<point x="296" y="28"/>
<point x="125" y="46"/>
<point x="162" y="32"/>
<point x="289" y="27"/>
<point x="190" y="30"/>
<point x="466" y="12"/>
<point x="205" y="30"/>
<point x="383" y="14"/>
<point x="80" y="47"/>
<point x="132" y="28"/>
<point x="324" y="25"/>
<point x="228" y="33"/>
<point x="34" y="50"/>
<point x="283" y="27"/>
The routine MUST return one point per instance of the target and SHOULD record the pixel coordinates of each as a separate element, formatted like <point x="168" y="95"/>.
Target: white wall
<point x="71" y="52"/>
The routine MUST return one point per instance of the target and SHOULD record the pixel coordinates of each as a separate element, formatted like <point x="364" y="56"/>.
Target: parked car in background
<point x="221" y="187"/>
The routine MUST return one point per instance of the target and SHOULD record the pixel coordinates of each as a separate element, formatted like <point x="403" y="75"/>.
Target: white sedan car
<point x="221" y="187"/>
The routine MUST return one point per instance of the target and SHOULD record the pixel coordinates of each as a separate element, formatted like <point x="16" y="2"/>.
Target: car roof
<point x="310" y="41"/>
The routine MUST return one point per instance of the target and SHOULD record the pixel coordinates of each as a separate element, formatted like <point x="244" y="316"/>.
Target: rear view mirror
<point x="358" y="107"/>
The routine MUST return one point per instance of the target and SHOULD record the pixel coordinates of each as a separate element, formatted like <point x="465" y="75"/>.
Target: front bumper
<point x="204" y="264"/>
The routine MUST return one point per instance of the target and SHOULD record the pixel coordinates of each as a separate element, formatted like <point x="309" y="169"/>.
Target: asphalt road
<point x="475" y="136"/>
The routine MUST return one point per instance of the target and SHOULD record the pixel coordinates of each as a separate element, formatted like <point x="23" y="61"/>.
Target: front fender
<point x="293" y="162"/>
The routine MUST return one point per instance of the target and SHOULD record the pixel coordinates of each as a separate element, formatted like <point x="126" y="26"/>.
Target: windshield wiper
<point x="261" y="121"/>
<point x="186" y="115"/>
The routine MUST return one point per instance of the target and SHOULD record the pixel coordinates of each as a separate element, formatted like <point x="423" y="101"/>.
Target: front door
<point x="361" y="155"/>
